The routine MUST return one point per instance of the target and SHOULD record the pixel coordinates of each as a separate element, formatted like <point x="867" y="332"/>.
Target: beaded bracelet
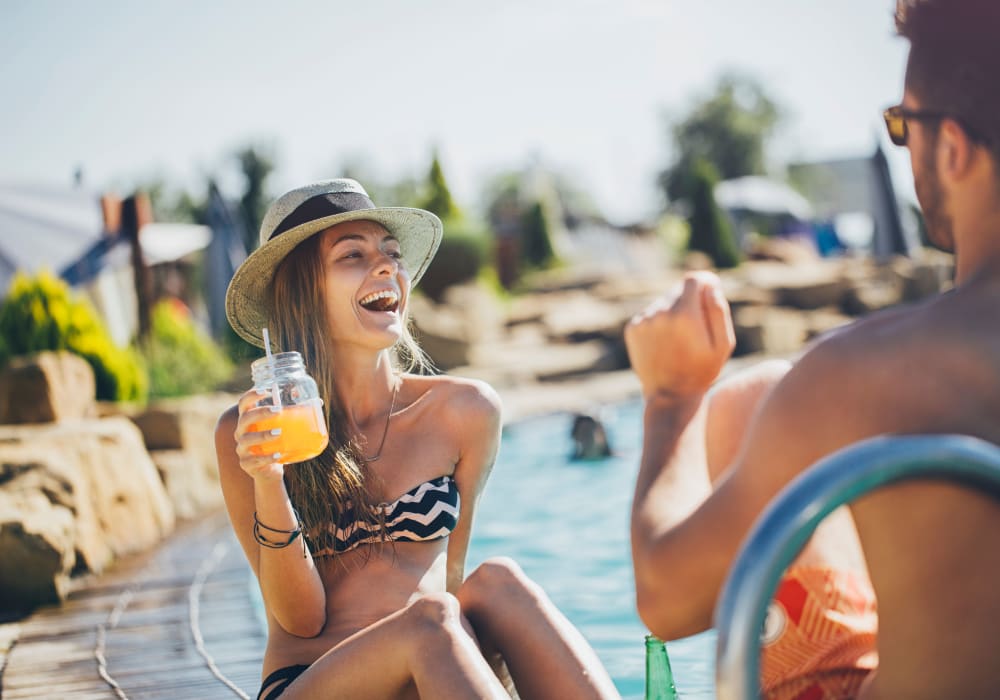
<point x="271" y="544"/>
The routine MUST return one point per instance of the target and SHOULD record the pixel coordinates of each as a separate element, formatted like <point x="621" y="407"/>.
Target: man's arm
<point x="685" y="535"/>
<point x="677" y="349"/>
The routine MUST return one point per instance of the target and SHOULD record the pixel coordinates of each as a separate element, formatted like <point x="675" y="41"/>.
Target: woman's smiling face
<point x="366" y="284"/>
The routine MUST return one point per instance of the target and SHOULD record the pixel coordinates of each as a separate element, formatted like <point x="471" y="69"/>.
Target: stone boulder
<point x="441" y="333"/>
<point x="29" y="469"/>
<point x="924" y="276"/>
<point x="867" y="295"/>
<point x="37" y="549"/>
<point x="60" y="386"/>
<point x="578" y="316"/>
<point x="805" y="286"/>
<point x="762" y="329"/>
<point x="510" y="363"/>
<point x="482" y="315"/>
<point x="180" y="437"/>
<point x="96" y="470"/>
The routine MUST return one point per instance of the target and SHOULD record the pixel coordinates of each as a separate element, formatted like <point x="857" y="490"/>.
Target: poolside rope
<point x="113" y="618"/>
<point x="194" y="608"/>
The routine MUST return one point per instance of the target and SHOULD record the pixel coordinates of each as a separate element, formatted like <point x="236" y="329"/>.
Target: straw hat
<point x="305" y="211"/>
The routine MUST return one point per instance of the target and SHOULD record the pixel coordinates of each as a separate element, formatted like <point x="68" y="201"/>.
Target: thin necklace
<point x="385" y="431"/>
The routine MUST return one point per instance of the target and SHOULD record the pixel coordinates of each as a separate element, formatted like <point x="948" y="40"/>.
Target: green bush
<point x="711" y="232"/>
<point x="41" y="313"/>
<point x="181" y="358"/>
<point x="238" y="350"/>
<point x="536" y="245"/>
<point x="460" y="258"/>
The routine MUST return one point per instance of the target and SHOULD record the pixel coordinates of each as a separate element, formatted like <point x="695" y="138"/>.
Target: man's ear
<point x="955" y="151"/>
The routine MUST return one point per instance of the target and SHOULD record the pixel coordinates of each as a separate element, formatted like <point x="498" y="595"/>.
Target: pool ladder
<point x="790" y="519"/>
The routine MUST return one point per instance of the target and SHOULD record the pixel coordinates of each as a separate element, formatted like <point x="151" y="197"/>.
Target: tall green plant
<point x="182" y="360"/>
<point x="439" y="199"/>
<point x="728" y="129"/>
<point x="41" y="313"/>
<point x="536" y="238"/>
<point x="463" y="253"/>
<point x="711" y="232"/>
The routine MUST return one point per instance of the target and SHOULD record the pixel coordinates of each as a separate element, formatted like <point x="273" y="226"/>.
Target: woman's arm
<point x="253" y="486"/>
<point x="474" y="419"/>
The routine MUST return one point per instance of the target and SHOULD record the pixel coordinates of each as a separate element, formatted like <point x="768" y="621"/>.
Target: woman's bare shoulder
<point x="460" y="393"/>
<point x="225" y="426"/>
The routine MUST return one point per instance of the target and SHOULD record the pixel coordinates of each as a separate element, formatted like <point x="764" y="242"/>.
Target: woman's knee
<point x="496" y="579"/>
<point x="434" y="610"/>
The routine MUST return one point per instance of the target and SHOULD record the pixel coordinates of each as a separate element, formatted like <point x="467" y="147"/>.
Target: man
<point x="929" y="368"/>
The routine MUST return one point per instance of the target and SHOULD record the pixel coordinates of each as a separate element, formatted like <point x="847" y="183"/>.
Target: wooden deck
<point x="176" y="622"/>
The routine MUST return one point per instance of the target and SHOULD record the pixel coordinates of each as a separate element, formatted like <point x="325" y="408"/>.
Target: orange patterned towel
<point x="819" y="636"/>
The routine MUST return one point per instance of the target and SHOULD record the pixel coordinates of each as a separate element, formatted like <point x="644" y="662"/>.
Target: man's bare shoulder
<point x="908" y="369"/>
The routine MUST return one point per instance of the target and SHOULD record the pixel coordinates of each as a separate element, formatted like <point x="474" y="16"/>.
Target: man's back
<point x="929" y="546"/>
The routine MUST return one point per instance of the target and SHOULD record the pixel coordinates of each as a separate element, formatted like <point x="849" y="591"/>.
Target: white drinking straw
<point x="275" y="392"/>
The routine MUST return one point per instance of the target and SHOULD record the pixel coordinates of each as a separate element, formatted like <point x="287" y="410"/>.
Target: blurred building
<point x="99" y="244"/>
<point x="857" y="196"/>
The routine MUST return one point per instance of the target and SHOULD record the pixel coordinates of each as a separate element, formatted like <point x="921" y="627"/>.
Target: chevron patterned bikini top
<point x="428" y="511"/>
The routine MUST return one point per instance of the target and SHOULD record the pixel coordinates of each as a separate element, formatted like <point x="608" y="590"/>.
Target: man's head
<point x="952" y="100"/>
<point x="954" y="62"/>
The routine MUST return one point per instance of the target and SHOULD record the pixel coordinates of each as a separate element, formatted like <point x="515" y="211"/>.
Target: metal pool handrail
<point x="790" y="519"/>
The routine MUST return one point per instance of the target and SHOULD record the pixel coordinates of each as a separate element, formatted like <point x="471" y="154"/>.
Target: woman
<point x="375" y="607"/>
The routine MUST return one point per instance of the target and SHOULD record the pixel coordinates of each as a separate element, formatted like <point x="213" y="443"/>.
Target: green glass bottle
<point x="659" y="677"/>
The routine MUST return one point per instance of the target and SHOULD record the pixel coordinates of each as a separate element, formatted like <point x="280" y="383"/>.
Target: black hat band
<point x="320" y="207"/>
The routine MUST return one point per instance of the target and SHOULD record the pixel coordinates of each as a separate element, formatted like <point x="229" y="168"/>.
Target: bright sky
<point x="131" y="90"/>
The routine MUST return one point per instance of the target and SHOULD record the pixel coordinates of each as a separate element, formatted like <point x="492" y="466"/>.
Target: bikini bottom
<point x="278" y="681"/>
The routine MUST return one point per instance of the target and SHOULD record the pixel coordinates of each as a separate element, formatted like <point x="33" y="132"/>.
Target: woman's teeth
<point x="385" y="300"/>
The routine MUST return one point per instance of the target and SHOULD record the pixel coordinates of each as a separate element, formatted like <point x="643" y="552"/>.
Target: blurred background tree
<point x="256" y="166"/>
<point x="729" y="129"/>
<point x="438" y="199"/>
<point x="464" y="252"/>
<point x="536" y="235"/>
<point x="711" y="232"/>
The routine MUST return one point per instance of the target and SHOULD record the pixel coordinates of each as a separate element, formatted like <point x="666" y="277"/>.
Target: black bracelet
<point x="271" y="544"/>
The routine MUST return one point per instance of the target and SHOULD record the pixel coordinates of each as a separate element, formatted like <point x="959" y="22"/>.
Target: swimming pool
<point x="566" y="523"/>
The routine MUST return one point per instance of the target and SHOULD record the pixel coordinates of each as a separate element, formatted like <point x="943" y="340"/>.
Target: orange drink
<point x="303" y="432"/>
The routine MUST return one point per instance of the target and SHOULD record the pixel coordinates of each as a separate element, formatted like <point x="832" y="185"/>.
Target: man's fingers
<point x="718" y="321"/>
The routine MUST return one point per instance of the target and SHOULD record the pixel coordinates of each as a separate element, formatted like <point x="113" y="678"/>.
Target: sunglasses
<point x="896" y="118"/>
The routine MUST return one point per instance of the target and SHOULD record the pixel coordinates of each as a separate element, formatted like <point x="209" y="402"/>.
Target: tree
<point x="438" y="199"/>
<point x="536" y="247"/>
<point x="729" y="130"/>
<point x="711" y="232"/>
<point x="256" y="167"/>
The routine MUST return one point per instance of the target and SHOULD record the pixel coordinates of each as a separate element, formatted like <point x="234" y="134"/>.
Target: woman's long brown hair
<point x="335" y="488"/>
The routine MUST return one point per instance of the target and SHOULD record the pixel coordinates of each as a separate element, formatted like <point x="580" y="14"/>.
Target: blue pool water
<point x="566" y="524"/>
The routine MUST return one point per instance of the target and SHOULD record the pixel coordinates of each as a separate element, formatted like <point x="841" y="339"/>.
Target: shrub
<point x="41" y="313"/>
<point x="711" y="232"/>
<point x="181" y="358"/>
<point x="536" y="246"/>
<point x="238" y="350"/>
<point x="460" y="258"/>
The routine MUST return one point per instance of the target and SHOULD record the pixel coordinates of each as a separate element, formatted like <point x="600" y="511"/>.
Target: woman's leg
<point x="547" y="656"/>
<point x="424" y="645"/>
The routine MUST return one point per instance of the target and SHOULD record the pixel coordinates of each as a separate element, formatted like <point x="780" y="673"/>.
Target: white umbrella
<point x="763" y="195"/>
<point x="163" y="242"/>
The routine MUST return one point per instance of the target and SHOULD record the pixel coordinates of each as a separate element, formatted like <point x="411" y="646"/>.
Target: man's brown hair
<point x="954" y="62"/>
